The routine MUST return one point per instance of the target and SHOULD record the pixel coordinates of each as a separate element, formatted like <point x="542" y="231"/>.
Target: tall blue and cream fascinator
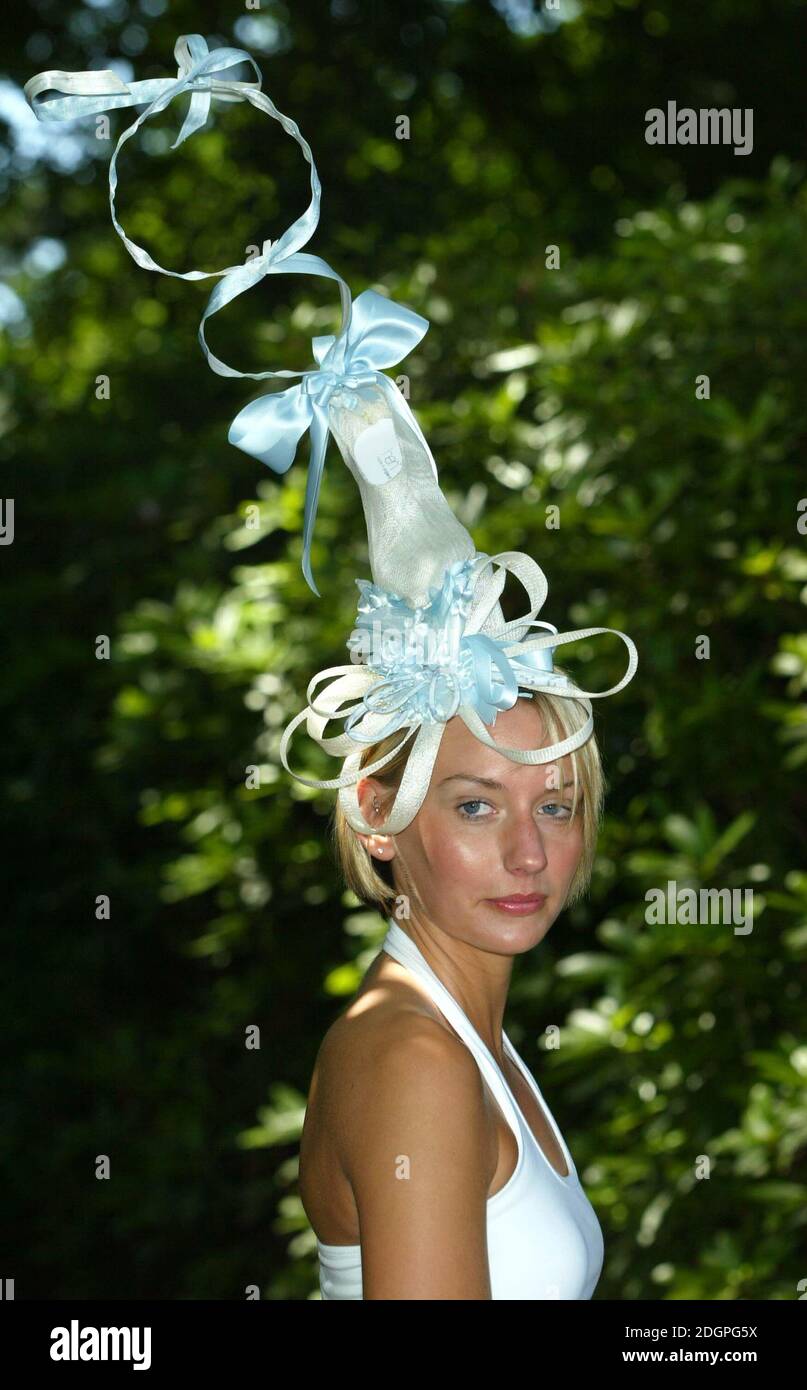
<point x="429" y="642"/>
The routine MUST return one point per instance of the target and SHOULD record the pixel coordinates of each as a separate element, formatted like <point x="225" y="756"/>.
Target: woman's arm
<point x="421" y="1155"/>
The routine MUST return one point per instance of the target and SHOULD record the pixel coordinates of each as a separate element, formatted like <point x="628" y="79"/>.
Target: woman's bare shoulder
<point x="388" y="1009"/>
<point x="413" y="1135"/>
<point x="388" y="1052"/>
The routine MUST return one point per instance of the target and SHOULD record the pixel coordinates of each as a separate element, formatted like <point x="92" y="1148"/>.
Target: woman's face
<point x="472" y="843"/>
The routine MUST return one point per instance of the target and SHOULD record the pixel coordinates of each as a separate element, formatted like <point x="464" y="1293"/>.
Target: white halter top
<point x="544" y="1239"/>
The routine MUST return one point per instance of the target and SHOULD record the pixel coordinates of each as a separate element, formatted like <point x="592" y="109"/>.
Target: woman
<point x="430" y="1166"/>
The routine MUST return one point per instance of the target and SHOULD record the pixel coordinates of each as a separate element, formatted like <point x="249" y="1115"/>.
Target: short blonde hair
<point x="372" y="880"/>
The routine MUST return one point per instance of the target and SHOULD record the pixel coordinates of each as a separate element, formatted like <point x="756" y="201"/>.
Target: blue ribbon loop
<point x="375" y="332"/>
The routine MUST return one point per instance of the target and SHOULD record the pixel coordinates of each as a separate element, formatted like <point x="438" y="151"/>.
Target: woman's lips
<point x="520" y="906"/>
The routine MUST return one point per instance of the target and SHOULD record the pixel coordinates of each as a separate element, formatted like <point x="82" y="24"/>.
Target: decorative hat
<point x="430" y="641"/>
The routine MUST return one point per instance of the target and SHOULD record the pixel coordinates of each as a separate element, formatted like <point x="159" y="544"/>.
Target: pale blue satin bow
<point x="375" y="332"/>
<point x="379" y="333"/>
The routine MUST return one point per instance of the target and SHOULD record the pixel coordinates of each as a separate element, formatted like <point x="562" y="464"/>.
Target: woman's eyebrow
<point x="466" y="777"/>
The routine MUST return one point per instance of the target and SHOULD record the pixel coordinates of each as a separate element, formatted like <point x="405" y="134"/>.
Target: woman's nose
<point x="524" y="846"/>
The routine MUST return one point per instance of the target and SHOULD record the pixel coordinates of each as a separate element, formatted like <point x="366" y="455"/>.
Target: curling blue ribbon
<point x="375" y="332"/>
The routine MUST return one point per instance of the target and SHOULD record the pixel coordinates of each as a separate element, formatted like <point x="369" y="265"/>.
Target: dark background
<point x="124" y="777"/>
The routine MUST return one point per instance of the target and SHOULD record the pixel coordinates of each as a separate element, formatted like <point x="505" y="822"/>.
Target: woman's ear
<point x="371" y="797"/>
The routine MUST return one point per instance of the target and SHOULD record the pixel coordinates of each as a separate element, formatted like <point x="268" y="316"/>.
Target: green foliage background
<point x="575" y="387"/>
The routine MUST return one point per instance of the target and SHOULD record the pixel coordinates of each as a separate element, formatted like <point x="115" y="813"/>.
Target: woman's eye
<point x="466" y="815"/>
<point x="558" y="806"/>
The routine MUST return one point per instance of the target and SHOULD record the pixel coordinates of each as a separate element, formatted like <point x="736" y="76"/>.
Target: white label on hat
<point x="378" y="453"/>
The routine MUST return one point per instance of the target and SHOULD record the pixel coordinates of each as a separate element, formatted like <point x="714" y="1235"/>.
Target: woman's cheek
<point x="468" y="852"/>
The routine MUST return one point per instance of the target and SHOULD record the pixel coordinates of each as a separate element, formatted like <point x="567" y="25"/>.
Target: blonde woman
<point x="431" y="1167"/>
